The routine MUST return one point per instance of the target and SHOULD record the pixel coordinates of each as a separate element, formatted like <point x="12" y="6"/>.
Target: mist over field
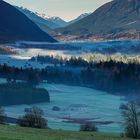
<point x="72" y="78"/>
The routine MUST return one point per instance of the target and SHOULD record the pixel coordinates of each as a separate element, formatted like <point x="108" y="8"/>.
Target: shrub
<point x="88" y="127"/>
<point x="33" y="118"/>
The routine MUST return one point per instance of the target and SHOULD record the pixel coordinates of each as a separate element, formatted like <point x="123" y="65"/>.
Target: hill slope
<point x="14" y="26"/>
<point x="118" y="18"/>
<point x="20" y="133"/>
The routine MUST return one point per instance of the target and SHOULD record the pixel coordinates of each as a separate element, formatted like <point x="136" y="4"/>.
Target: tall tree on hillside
<point x="131" y="115"/>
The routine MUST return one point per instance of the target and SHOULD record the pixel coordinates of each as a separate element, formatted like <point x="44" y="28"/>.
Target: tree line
<point x="109" y="75"/>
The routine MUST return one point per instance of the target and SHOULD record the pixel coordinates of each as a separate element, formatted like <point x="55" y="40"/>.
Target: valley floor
<point x="19" y="133"/>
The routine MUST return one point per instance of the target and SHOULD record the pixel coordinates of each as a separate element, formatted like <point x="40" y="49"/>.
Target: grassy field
<point x="18" y="133"/>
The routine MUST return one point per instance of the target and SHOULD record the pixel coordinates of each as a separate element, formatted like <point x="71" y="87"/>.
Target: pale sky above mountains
<point x="66" y="9"/>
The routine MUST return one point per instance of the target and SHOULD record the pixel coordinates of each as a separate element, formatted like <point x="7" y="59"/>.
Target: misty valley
<point x="69" y="70"/>
<point x="84" y="84"/>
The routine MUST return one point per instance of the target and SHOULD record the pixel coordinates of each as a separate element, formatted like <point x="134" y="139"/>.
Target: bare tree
<point x="131" y="116"/>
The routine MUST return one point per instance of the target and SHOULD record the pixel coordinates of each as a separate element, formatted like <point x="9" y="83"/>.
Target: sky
<point x="66" y="9"/>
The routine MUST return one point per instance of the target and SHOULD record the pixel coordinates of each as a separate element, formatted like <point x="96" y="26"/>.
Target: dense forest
<point x="114" y="77"/>
<point x="22" y="93"/>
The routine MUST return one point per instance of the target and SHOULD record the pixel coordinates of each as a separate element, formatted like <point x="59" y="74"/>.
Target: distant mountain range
<point x="79" y="18"/>
<point x="116" y="19"/>
<point x="44" y="24"/>
<point x="47" y="23"/>
<point x="14" y="26"/>
<point x="60" y="22"/>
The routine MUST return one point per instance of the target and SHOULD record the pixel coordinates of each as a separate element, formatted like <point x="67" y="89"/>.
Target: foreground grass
<point x="19" y="133"/>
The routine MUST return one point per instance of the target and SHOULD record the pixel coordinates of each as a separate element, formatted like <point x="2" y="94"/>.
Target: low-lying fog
<point x="75" y="105"/>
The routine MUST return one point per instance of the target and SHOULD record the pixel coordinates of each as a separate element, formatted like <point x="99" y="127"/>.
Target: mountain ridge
<point x="115" y="19"/>
<point x="58" y="21"/>
<point x="79" y="18"/>
<point x="16" y="26"/>
<point x="51" y="22"/>
<point x="36" y="18"/>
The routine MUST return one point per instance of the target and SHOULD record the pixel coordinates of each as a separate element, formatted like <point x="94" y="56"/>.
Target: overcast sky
<point x="66" y="9"/>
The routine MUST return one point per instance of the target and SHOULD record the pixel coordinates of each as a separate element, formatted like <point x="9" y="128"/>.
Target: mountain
<point x="39" y="19"/>
<point x="116" y="19"/>
<point x="79" y="18"/>
<point x="14" y="26"/>
<point x="48" y="23"/>
<point x="63" y="23"/>
<point x="58" y="21"/>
